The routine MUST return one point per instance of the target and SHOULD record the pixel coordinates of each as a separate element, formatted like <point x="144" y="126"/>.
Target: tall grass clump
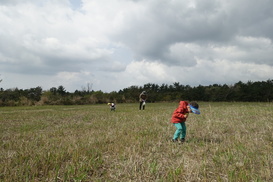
<point x="227" y="142"/>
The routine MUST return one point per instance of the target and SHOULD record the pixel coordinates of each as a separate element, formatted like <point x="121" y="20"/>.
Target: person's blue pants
<point x="181" y="130"/>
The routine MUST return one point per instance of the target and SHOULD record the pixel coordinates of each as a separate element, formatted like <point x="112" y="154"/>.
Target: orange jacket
<point x="179" y="113"/>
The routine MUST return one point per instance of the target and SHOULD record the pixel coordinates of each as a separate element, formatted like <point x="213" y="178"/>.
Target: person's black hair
<point x="194" y="104"/>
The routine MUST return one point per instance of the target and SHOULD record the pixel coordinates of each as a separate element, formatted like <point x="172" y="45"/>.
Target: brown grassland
<point x="227" y="142"/>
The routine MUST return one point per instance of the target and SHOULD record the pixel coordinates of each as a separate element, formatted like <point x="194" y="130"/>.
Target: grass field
<point x="227" y="142"/>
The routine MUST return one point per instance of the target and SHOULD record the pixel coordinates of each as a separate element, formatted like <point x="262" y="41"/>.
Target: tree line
<point x="260" y="91"/>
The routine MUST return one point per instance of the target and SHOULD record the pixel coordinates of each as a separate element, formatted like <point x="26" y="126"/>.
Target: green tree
<point x="61" y="90"/>
<point x="34" y="94"/>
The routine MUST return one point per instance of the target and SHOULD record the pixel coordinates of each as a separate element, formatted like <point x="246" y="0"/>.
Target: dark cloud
<point x="151" y="33"/>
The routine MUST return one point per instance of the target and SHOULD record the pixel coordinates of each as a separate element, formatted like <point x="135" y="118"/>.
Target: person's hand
<point x="186" y="115"/>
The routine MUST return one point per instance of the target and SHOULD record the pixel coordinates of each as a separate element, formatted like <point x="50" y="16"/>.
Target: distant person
<point x="142" y="100"/>
<point x="179" y="118"/>
<point x="112" y="106"/>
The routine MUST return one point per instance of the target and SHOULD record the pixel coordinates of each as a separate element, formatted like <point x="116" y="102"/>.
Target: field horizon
<point x="228" y="141"/>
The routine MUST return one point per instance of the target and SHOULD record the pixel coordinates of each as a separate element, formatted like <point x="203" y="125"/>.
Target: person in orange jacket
<point x="179" y="118"/>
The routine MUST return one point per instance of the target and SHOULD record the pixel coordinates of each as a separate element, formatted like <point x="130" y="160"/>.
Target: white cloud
<point x="119" y="43"/>
<point x="147" y="72"/>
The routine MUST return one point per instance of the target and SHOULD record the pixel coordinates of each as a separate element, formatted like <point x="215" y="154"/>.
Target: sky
<point x="111" y="45"/>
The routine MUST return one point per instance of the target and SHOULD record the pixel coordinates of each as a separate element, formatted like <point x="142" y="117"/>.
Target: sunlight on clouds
<point x="146" y="71"/>
<point x="261" y="71"/>
<point x="183" y="53"/>
<point x="51" y="43"/>
<point x="205" y="71"/>
<point x="191" y="4"/>
<point x="230" y="52"/>
<point x="74" y="76"/>
<point x="219" y="71"/>
<point x="67" y="76"/>
<point x="254" y="42"/>
<point x="243" y="49"/>
<point x="73" y="80"/>
<point x="114" y="66"/>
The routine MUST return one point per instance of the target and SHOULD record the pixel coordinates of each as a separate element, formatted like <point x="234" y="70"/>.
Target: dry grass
<point x="227" y="142"/>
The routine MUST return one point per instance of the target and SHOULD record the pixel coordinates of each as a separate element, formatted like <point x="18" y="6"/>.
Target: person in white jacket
<point x="142" y="100"/>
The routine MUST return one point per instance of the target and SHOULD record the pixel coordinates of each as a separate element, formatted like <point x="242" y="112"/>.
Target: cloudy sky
<point x="114" y="44"/>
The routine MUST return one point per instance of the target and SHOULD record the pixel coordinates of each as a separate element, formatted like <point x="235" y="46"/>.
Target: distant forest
<point x="260" y="91"/>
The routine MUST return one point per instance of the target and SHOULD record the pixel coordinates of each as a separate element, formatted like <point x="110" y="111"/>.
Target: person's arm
<point x="181" y="115"/>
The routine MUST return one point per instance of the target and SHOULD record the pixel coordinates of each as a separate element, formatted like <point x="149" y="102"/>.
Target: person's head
<point x="193" y="107"/>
